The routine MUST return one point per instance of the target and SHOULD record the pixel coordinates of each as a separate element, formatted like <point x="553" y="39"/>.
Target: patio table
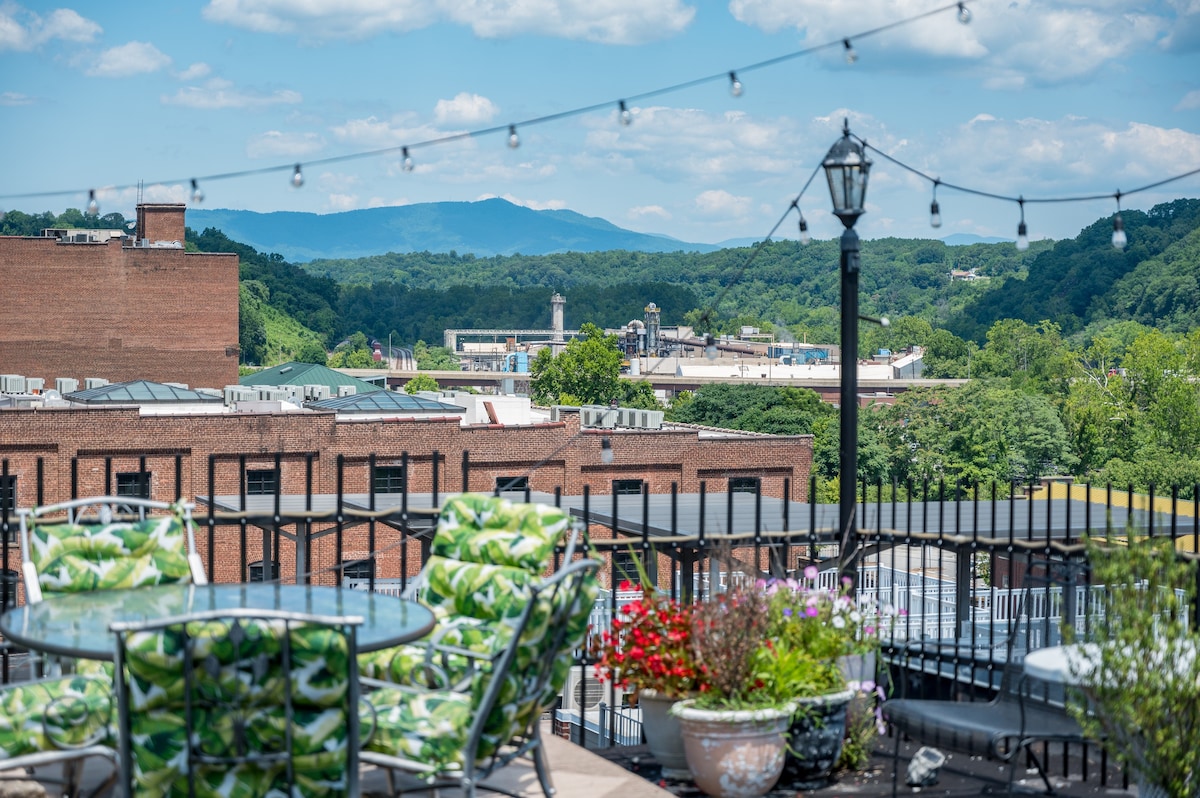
<point x="77" y="624"/>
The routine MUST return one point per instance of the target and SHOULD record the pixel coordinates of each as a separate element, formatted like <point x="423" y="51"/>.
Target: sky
<point x="1042" y="99"/>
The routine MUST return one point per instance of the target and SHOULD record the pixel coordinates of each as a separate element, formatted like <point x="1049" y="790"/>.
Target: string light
<point x="805" y="238"/>
<point x="93" y="207"/>
<point x="1022" y="231"/>
<point x="197" y="194"/>
<point x="710" y="346"/>
<point x="514" y="140"/>
<point x="407" y="162"/>
<point x="964" y="13"/>
<point x="297" y="177"/>
<point x="626" y="117"/>
<point x="851" y="56"/>
<point x="935" y="213"/>
<point x="1118" y="238"/>
<point x="606" y="450"/>
<point x="735" y="85"/>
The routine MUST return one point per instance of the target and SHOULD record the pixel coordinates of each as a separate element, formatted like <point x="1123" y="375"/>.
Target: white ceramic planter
<point x="734" y="753"/>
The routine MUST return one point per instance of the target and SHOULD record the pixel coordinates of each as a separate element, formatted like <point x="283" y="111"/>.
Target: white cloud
<point x="276" y="143"/>
<point x="648" y="211"/>
<point x="134" y="58"/>
<point x="1190" y="101"/>
<point x="196" y="71"/>
<point x="1010" y="44"/>
<point x="465" y="109"/>
<point x="343" y="202"/>
<point x="23" y="30"/>
<point x="607" y="21"/>
<point x="218" y="93"/>
<point x="11" y="98"/>
<point x="718" y="203"/>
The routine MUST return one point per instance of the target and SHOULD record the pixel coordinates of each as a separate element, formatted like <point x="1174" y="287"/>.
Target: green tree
<point x="312" y="351"/>
<point x="587" y="371"/>
<point x="252" y="333"/>
<point x="421" y="382"/>
<point x="354" y="353"/>
<point x="434" y="358"/>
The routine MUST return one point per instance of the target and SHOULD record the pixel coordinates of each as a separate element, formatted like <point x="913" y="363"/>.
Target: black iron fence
<point x="944" y="564"/>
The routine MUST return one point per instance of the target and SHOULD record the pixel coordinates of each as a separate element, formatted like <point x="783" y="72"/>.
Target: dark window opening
<point x="504" y="484"/>
<point x="625" y="568"/>
<point x="261" y="482"/>
<point x="627" y="487"/>
<point x="744" y="484"/>
<point x="8" y="588"/>
<point x="8" y="494"/>
<point x="389" y="479"/>
<point x="357" y="570"/>
<point x="134" y="484"/>
<point x="256" y="571"/>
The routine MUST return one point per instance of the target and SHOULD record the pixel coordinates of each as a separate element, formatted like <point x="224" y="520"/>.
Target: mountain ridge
<point x="485" y="228"/>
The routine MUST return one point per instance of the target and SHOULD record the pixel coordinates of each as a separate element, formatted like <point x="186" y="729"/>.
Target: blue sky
<point x="1041" y="98"/>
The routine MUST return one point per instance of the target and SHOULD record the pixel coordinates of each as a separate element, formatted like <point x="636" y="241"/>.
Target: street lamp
<point x="846" y="168"/>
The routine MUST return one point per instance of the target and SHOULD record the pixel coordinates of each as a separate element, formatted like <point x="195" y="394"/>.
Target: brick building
<point x="50" y="454"/>
<point x="121" y="308"/>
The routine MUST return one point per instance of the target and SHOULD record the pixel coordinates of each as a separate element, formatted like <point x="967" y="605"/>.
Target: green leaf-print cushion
<point x="486" y="529"/>
<point x="485" y="592"/>
<point x="54" y="713"/>
<point x="75" y="558"/>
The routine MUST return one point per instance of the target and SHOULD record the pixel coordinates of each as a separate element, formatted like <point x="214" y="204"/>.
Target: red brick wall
<point x="121" y="313"/>
<point x="161" y="222"/>
<point x="105" y="442"/>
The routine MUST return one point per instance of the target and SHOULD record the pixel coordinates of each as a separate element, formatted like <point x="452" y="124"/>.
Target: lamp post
<point x="846" y="168"/>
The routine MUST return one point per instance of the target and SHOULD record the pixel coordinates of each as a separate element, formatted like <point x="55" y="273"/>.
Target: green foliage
<point x="638" y="394"/>
<point x="17" y="223"/>
<point x="312" y="351"/>
<point x="756" y="408"/>
<point x="587" y="371"/>
<point x="355" y="353"/>
<point x="421" y="382"/>
<point x="1138" y="685"/>
<point x="434" y="358"/>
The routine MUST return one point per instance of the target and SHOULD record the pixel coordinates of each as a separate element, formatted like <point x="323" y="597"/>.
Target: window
<point x="8" y="588"/>
<point x="627" y="487"/>
<point x="625" y="567"/>
<point x="511" y="483"/>
<point x="744" y="484"/>
<point x="389" y="479"/>
<point x="134" y="484"/>
<point x="256" y="571"/>
<point x="8" y="494"/>
<point x="261" y="482"/>
<point x="356" y="571"/>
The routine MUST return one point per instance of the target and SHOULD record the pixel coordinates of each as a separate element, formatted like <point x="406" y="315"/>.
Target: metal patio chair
<point x="239" y="703"/>
<point x="1024" y="711"/>
<point x="487" y="712"/>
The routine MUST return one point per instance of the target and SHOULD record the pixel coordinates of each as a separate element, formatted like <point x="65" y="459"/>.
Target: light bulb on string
<point x="1022" y="230"/>
<point x="805" y="238"/>
<point x="197" y="194"/>
<point x="93" y="207"/>
<point x="964" y="13"/>
<point x="626" y="116"/>
<point x="514" y="140"/>
<point x="1119" y="240"/>
<point x="710" y="346"/>
<point x="851" y="56"/>
<point x="297" y="177"/>
<point x="606" y="450"/>
<point x="935" y="213"/>
<point x="2" y="214"/>
<point x="407" y="161"/>
<point x="735" y="85"/>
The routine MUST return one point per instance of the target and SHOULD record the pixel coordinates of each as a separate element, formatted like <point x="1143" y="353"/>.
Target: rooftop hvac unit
<point x="65" y="385"/>
<point x="12" y="383"/>
<point x="293" y="391"/>
<point x="94" y="382"/>
<point x="239" y="393"/>
<point x="272" y="395"/>
<point x="581" y="694"/>
<point x="35" y="384"/>
<point x="347" y="390"/>
<point x="316" y="393"/>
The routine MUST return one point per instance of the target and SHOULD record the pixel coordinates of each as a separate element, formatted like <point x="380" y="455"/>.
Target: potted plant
<point x="1138" y="671"/>
<point x="648" y="649"/>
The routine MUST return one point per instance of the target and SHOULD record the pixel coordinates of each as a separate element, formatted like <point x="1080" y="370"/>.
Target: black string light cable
<point x="1119" y="238"/>
<point x="729" y="77"/>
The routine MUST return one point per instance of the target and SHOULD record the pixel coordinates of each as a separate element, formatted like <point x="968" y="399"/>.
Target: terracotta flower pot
<point x="663" y="734"/>
<point x="734" y="753"/>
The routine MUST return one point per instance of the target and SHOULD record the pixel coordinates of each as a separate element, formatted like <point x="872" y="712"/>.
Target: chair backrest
<point x="233" y="703"/>
<point x="107" y="542"/>
<point x="512" y="694"/>
<point x="486" y="553"/>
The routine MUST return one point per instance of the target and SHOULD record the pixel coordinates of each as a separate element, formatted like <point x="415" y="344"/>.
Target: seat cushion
<point x="74" y="558"/>
<point x="406" y="664"/>
<point x="51" y="714"/>
<point x="426" y="727"/>
<point x="487" y="529"/>
<point x="476" y="590"/>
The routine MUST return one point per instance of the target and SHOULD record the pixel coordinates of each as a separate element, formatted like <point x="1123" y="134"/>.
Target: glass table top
<point x="77" y="624"/>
